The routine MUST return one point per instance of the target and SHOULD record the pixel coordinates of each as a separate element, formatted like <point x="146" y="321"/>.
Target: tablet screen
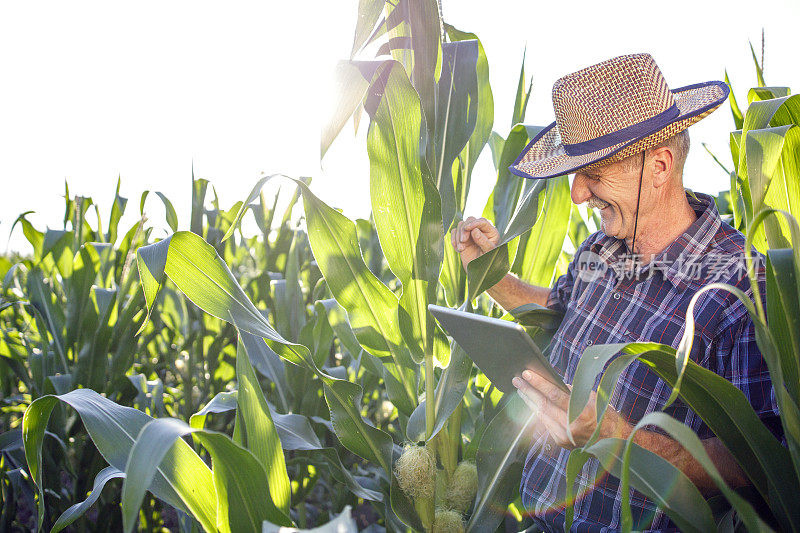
<point x="501" y="348"/>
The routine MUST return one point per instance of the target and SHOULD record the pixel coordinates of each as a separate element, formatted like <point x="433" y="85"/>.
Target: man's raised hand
<point x="473" y="237"/>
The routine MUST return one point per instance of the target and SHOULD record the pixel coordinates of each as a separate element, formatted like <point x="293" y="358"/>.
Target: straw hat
<point x="612" y="110"/>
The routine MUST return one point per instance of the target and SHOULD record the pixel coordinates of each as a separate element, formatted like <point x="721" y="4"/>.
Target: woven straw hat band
<point x="649" y="142"/>
<point x="608" y="97"/>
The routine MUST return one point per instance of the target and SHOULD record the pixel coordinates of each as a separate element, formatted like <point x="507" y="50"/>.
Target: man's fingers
<point x="556" y="430"/>
<point x="482" y="240"/>
<point x="542" y="402"/>
<point x="456" y="238"/>
<point x="480" y="223"/>
<point x="549" y="415"/>
<point x="463" y="231"/>
<point x="527" y="389"/>
<point x="530" y="403"/>
<point x="547" y="389"/>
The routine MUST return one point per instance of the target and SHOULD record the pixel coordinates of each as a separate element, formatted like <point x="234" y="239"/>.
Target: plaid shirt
<point x="601" y="308"/>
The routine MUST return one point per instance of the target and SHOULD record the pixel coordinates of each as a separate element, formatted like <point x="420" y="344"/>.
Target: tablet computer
<point x="501" y="348"/>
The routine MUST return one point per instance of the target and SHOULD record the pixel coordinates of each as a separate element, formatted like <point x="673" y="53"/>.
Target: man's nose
<point x="580" y="191"/>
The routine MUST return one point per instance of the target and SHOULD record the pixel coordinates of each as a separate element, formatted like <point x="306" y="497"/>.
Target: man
<point x="622" y="132"/>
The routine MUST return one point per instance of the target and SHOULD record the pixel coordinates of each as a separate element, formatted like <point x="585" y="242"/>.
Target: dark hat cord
<point x="638" y="198"/>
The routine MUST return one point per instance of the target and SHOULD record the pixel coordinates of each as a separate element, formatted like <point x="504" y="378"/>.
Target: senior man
<point x="622" y="132"/>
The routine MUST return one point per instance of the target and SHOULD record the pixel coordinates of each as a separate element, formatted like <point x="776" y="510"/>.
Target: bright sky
<point x="93" y="90"/>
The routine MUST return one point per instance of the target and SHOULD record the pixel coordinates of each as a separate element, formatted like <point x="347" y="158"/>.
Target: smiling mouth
<point x="597" y="203"/>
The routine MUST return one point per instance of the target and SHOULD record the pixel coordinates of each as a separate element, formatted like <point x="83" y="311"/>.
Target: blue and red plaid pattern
<point x="602" y="307"/>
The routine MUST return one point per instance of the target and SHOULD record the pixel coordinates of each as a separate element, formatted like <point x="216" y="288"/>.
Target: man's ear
<point x="662" y="163"/>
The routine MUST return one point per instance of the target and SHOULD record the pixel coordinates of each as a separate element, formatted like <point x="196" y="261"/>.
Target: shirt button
<point x="588" y="343"/>
<point x="617" y="296"/>
<point x="547" y="447"/>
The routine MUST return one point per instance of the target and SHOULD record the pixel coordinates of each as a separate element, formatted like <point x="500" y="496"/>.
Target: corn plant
<point x="430" y="111"/>
<point x="70" y="315"/>
<point x="70" y="312"/>
<point x="146" y="451"/>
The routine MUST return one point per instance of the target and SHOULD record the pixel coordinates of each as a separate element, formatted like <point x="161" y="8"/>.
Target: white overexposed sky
<point x="145" y="90"/>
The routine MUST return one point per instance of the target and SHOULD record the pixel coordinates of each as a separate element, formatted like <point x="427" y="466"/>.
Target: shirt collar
<point x="672" y="261"/>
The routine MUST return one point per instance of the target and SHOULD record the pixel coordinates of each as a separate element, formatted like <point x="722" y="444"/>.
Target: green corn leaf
<point x="240" y="479"/>
<point x="486" y="270"/>
<point x="372" y="308"/>
<point x="199" y="188"/>
<point x="84" y="274"/>
<point x="577" y="458"/>
<point x="402" y="507"/>
<point x="196" y="269"/>
<point x="537" y="260"/>
<point x="782" y="364"/>
<point x="356" y="434"/>
<point x="535" y="315"/>
<point x="770" y="153"/>
<point x="578" y="229"/>
<point x="759" y="67"/>
<point x="352" y="79"/>
<point x="483" y="122"/>
<point x="767" y="162"/>
<point x="655" y="477"/>
<point x="337" y="318"/>
<point x="421" y="52"/>
<point x="172" y="216"/>
<point x="58" y="244"/>
<point x="766" y="93"/>
<point x="450" y="390"/>
<point x="369" y="11"/>
<point x="405" y="203"/>
<point x="496" y="143"/>
<point x="33" y="236"/>
<point x="738" y="119"/>
<point x="76" y="511"/>
<point x="258" y="430"/>
<point x="296" y="435"/>
<point x="254" y="193"/>
<point x="52" y="316"/>
<point x="339" y="321"/>
<point x="221" y="403"/>
<point x="456" y="117"/>
<point x="721" y="405"/>
<point x="499" y="459"/>
<point x="783" y="315"/>
<point x="150" y="397"/>
<point x="453" y="278"/>
<point x="522" y="96"/>
<point x="508" y="187"/>
<point x="93" y="365"/>
<point x="689" y="440"/>
<point x="117" y="210"/>
<point x="182" y="481"/>
<point x="724" y="169"/>
<point x="269" y="364"/>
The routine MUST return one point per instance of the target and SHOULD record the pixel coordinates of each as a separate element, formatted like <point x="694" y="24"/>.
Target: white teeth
<point x="597" y="203"/>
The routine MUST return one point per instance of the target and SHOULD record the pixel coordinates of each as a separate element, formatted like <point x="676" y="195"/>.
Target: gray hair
<point x="678" y="143"/>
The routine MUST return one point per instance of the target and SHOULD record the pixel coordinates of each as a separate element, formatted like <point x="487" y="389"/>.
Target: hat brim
<point x="545" y="156"/>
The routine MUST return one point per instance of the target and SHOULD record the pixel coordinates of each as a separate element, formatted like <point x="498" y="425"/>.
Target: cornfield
<point x="294" y="378"/>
